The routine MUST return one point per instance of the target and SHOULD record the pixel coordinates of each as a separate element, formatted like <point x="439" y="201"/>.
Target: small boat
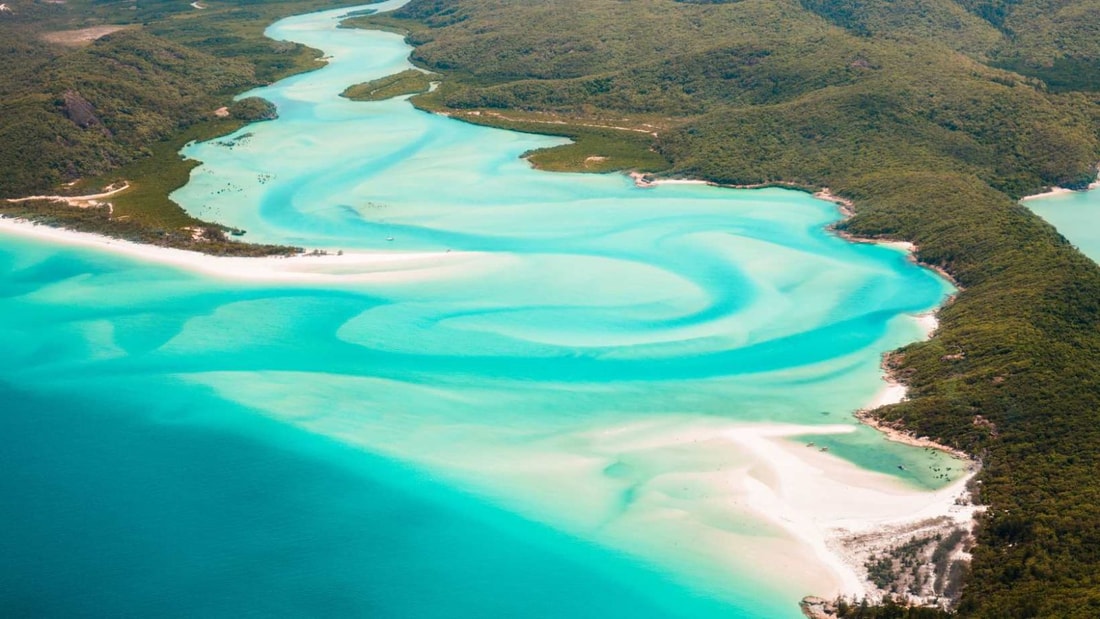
<point x="389" y="238"/>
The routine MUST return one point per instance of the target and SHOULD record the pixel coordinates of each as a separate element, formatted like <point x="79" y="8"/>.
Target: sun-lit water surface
<point x="539" y="432"/>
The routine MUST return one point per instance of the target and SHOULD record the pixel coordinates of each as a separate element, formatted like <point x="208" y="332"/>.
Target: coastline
<point x="845" y="542"/>
<point x="304" y="268"/>
<point x="1053" y="191"/>
<point x="856" y="545"/>
<point x="644" y="181"/>
<point x="838" y="540"/>
<point x="1059" y="191"/>
<point x="852" y="544"/>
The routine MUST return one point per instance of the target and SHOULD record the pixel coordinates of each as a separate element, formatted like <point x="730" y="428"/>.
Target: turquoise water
<point x="1077" y="217"/>
<point x="530" y="425"/>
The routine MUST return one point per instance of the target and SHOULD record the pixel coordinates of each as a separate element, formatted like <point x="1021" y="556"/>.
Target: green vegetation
<point x="593" y="147"/>
<point x="407" y="82"/>
<point x="907" y="109"/>
<point x="889" y="610"/>
<point x="121" y="105"/>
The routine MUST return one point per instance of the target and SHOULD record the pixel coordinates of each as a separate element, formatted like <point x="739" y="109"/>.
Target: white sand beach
<point x="380" y="267"/>
<point x="1054" y="191"/>
<point x="1058" y="191"/>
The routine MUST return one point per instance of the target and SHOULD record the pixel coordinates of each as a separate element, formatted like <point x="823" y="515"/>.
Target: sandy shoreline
<point x="879" y="523"/>
<point x="388" y="266"/>
<point x="828" y="503"/>
<point x="1060" y="191"/>
<point x="1054" y="191"/>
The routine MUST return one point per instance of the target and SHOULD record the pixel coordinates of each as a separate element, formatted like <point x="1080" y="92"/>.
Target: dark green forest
<point x="932" y="116"/>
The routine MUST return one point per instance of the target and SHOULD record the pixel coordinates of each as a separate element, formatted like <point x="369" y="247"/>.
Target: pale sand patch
<point x="709" y="499"/>
<point x="831" y="504"/>
<point x="904" y="246"/>
<point x="83" y="36"/>
<point x="376" y="267"/>
<point x="1054" y="191"/>
<point x="928" y="322"/>
<point x="891" y="393"/>
<point x="817" y="499"/>
<point x="641" y="180"/>
<point x="845" y="205"/>
<point x="78" y="201"/>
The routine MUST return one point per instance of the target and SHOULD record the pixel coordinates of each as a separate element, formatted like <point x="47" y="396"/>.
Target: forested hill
<point x="89" y="85"/>
<point x="95" y="92"/>
<point x="934" y="117"/>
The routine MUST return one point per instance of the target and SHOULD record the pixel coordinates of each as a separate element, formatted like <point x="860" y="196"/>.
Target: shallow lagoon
<point x="570" y="406"/>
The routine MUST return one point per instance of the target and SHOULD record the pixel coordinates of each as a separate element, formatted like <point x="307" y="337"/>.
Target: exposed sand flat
<point x="82" y="36"/>
<point x="829" y="503"/>
<point x="379" y="267"/>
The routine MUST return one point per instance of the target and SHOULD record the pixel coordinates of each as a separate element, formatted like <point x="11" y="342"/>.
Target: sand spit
<point x="306" y="268"/>
<point x="916" y="557"/>
<point x="851" y="517"/>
